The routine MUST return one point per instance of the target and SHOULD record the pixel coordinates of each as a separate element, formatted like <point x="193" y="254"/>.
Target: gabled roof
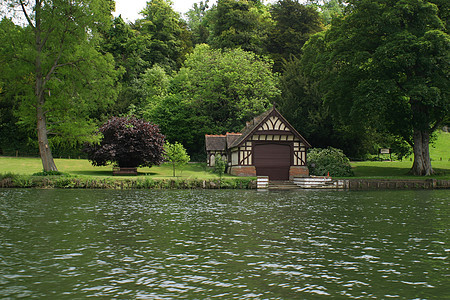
<point x="232" y="136"/>
<point x="216" y="142"/>
<point x="258" y="121"/>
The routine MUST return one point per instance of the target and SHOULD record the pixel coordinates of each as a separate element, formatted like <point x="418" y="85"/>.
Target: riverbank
<point x="394" y="184"/>
<point x="80" y="174"/>
<point x="70" y="182"/>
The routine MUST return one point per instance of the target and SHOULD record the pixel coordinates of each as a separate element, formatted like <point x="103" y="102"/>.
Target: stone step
<point x="318" y="183"/>
<point x="282" y="185"/>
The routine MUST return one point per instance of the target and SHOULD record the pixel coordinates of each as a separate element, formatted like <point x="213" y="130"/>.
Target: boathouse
<point x="267" y="146"/>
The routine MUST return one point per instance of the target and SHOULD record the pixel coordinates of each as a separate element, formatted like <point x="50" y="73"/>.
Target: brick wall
<point x="243" y="171"/>
<point x="298" y="171"/>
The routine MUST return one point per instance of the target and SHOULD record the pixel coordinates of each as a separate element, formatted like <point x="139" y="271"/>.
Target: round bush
<point x="128" y="143"/>
<point x="332" y="160"/>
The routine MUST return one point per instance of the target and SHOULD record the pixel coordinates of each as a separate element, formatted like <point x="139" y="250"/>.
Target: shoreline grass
<point x="83" y="168"/>
<point x="396" y="170"/>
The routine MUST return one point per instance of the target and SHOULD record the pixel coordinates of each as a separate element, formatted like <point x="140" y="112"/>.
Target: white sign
<point x="385" y="151"/>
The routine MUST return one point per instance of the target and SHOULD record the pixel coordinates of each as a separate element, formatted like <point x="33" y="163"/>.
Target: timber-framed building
<point x="267" y="146"/>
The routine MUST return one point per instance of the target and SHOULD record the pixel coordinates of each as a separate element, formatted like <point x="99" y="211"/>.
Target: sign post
<point x="385" y="151"/>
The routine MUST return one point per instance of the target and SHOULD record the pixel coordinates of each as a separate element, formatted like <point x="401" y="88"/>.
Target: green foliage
<point x="197" y="20"/>
<point x="175" y="154"/>
<point x="58" y="78"/>
<point x="215" y="90"/>
<point x="241" y="24"/>
<point x="330" y="9"/>
<point x="220" y="165"/>
<point x="150" y="88"/>
<point x="385" y="67"/>
<point x="168" y="40"/>
<point x="301" y="103"/>
<point x="11" y="180"/>
<point x="330" y="160"/>
<point x="293" y="24"/>
<point x="48" y="173"/>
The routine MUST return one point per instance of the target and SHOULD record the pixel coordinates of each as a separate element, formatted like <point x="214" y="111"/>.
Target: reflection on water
<point x="223" y="244"/>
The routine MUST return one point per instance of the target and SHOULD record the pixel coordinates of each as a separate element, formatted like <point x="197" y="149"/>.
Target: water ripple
<point x="223" y="244"/>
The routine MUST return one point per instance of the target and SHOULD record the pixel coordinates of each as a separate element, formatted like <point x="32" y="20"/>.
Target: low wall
<point x="298" y="171"/>
<point x="380" y="184"/>
<point x="245" y="171"/>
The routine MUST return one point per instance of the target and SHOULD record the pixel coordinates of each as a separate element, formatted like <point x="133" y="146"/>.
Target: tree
<point x="302" y="103"/>
<point x="64" y="79"/>
<point x="387" y="65"/>
<point x="293" y="24"/>
<point x="176" y="154"/>
<point x="167" y="38"/>
<point x="331" y="9"/>
<point x="216" y="90"/>
<point x="229" y="86"/>
<point x="197" y="20"/>
<point x="241" y="24"/>
<point x="128" y="47"/>
<point x="127" y="142"/>
<point x="220" y="166"/>
<point x="330" y="161"/>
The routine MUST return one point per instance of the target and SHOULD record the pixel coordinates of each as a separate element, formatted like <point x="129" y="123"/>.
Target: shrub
<point x="48" y="173"/>
<point x="176" y="155"/>
<point x="129" y="143"/>
<point x="332" y="160"/>
<point x="220" y="165"/>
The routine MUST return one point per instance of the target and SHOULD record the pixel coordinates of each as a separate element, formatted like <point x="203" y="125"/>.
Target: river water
<point x="66" y="244"/>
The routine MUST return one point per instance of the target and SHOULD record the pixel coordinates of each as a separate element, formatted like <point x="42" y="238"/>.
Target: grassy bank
<point x="82" y="167"/>
<point x="10" y="180"/>
<point x="440" y="160"/>
<point x="79" y="173"/>
<point x="396" y="169"/>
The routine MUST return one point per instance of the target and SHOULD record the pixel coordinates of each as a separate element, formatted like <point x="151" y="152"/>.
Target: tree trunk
<point x="422" y="160"/>
<point x="44" y="148"/>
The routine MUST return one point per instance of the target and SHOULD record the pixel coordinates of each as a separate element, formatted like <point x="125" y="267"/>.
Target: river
<point x="228" y="244"/>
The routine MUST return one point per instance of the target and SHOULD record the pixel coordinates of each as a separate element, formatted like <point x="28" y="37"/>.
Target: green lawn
<point x="370" y="169"/>
<point x="82" y="167"/>
<point x="440" y="148"/>
<point x="440" y="156"/>
<point x="396" y="169"/>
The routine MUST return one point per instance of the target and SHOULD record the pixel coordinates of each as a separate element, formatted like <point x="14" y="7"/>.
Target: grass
<point x="440" y="148"/>
<point x="396" y="169"/>
<point x="439" y="153"/>
<point x="82" y="167"/>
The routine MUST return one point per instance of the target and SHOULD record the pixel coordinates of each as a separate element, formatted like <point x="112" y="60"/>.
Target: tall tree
<point x="168" y="40"/>
<point x="240" y="23"/>
<point x="197" y="21"/>
<point x="12" y="137"/>
<point x="216" y="90"/>
<point x="129" y="47"/>
<point x="387" y="64"/>
<point x="331" y="9"/>
<point x="67" y="80"/>
<point x="293" y="24"/>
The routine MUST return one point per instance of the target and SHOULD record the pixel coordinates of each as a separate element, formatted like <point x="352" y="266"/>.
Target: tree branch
<point x="26" y="15"/>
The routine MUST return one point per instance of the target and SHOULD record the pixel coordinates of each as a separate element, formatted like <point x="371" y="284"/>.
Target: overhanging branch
<point x="26" y="14"/>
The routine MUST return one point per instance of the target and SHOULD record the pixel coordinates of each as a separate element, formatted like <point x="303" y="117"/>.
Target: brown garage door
<point x="272" y="160"/>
